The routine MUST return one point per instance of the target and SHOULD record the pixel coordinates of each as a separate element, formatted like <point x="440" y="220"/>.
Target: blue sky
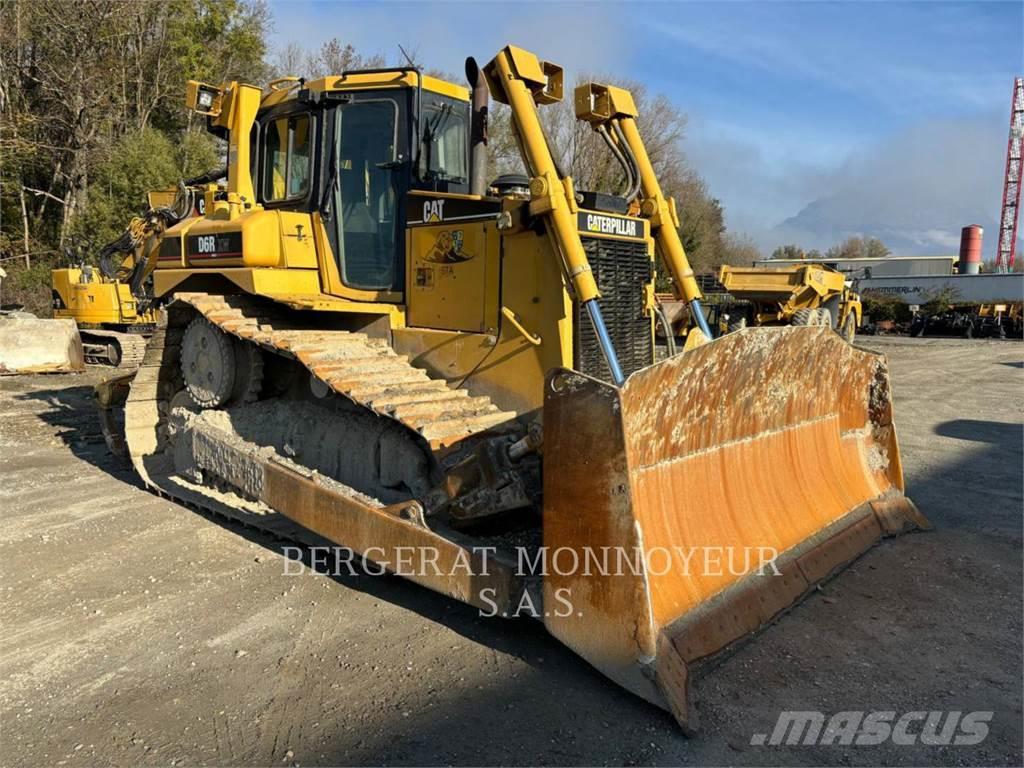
<point x="886" y="118"/>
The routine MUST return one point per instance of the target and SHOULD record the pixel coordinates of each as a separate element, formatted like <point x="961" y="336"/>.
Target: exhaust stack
<point x="478" y="129"/>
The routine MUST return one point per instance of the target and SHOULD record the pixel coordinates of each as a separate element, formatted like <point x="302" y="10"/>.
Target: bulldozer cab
<point x="352" y="152"/>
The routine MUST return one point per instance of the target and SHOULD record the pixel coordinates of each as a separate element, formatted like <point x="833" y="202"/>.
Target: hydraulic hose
<point x="632" y="182"/>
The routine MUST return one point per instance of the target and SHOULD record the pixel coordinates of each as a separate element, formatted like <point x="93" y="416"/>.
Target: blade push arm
<point x="518" y="78"/>
<point x="612" y="110"/>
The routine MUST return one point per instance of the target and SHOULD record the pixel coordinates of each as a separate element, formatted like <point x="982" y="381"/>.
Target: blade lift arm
<point x="518" y="78"/>
<point x="612" y="112"/>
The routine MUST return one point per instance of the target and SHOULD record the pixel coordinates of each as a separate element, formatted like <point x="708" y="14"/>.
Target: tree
<point x="788" y="252"/>
<point x="858" y="248"/>
<point x="739" y="250"/>
<point x="331" y="58"/>
<point x="79" y="79"/>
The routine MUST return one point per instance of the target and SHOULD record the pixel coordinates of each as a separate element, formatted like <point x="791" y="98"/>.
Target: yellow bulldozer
<point x="365" y="341"/>
<point x="805" y="294"/>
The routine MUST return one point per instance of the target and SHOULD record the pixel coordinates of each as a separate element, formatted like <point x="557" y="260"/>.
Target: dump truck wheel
<point x="823" y="317"/>
<point x="208" y="364"/>
<point x="832" y="307"/>
<point x="849" y="327"/>
<point x="803" y="317"/>
<point x="738" y="325"/>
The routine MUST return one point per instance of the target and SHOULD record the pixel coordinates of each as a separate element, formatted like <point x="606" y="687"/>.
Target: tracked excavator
<point x="364" y="342"/>
<point x="111" y="303"/>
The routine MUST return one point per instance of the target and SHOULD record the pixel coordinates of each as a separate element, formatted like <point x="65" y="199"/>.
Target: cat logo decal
<point x="448" y="248"/>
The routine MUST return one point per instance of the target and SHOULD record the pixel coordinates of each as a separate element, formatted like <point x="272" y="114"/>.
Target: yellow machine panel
<point x="533" y="332"/>
<point x="253" y="239"/>
<point x="453" y="276"/>
<point x="81" y="295"/>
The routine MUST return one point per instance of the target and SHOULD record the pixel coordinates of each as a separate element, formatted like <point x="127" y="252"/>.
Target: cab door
<point x="365" y="162"/>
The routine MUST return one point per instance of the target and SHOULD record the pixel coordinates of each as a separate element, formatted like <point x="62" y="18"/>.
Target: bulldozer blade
<point x="688" y="509"/>
<point x="36" y="345"/>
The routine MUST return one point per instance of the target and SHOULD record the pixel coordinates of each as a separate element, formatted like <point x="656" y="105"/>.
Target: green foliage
<point x="83" y="86"/>
<point x="884" y="306"/>
<point x="138" y="162"/>
<point x="788" y="252"/>
<point x="29" y="286"/>
<point x="197" y="153"/>
<point x="217" y="40"/>
<point x="939" y="300"/>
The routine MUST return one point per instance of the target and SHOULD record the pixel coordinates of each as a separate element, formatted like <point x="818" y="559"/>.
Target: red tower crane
<point x="1006" y="243"/>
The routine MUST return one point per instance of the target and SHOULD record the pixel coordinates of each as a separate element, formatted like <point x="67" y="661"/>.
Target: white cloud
<point x="577" y="36"/>
<point x="915" y="189"/>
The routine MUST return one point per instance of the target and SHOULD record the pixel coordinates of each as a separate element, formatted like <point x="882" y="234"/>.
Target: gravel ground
<point x="139" y="632"/>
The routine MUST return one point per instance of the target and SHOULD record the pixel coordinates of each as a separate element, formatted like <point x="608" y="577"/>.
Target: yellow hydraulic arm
<point x="231" y="107"/>
<point x="518" y="78"/>
<point x="612" y="112"/>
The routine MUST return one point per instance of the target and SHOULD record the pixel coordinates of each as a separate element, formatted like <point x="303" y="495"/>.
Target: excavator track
<point x="364" y="370"/>
<point x="121" y="350"/>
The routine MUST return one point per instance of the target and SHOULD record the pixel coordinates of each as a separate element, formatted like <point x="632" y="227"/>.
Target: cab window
<point x="445" y="144"/>
<point x="286" y="158"/>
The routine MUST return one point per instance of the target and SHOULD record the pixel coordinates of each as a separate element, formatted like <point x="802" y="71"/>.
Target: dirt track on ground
<point x="137" y="631"/>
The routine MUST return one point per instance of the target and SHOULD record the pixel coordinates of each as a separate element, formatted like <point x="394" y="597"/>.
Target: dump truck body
<point x="798" y="295"/>
<point x="388" y="356"/>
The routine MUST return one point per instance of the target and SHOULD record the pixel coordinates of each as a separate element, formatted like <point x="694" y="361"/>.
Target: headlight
<point x="205" y="99"/>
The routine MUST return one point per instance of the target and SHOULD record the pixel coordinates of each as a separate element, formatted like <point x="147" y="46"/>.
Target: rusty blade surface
<point x="771" y="441"/>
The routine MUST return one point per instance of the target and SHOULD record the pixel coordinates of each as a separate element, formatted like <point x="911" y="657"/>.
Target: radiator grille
<point x="622" y="269"/>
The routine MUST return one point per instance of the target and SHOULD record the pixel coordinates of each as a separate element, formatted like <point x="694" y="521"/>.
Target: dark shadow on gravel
<point x="72" y="413"/>
<point x="1007" y="436"/>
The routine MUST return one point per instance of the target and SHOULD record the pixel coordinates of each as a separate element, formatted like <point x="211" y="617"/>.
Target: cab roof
<point x="284" y="89"/>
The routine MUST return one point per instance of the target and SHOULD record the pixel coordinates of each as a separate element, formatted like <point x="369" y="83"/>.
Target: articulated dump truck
<point x="805" y="294"/>
<point x="366" y="342"/>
